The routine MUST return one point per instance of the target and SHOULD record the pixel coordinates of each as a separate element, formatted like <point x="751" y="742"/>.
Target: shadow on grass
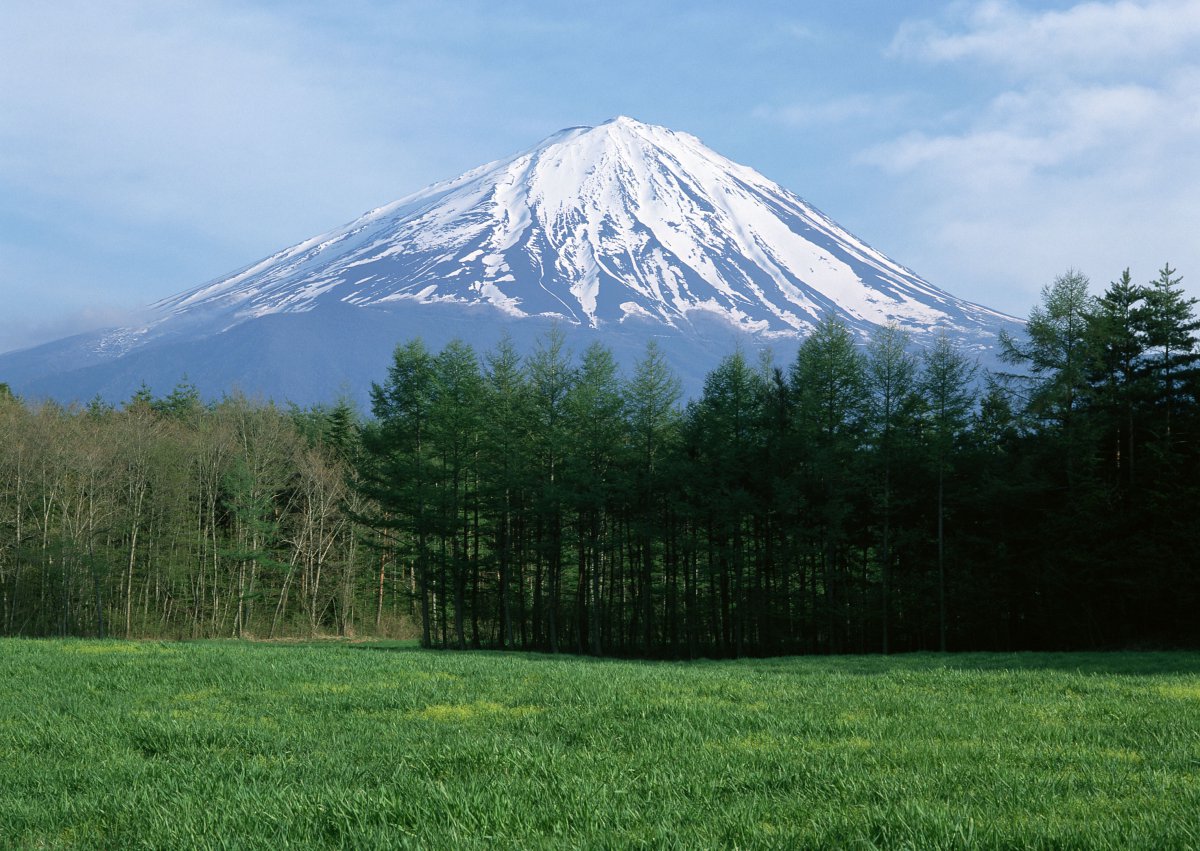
<point x="390" y="646"/>
<point x="1116" y="662"/>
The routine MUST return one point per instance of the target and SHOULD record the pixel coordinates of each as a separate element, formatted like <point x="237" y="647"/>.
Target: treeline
<point x="168" y="517"/>
<point x="853" y="500"/>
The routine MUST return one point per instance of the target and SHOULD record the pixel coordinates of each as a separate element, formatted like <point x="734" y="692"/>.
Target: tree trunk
<point x="941" y="562"/>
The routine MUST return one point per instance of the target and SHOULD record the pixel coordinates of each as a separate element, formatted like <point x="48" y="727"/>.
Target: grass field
<point x="146" y="745"/>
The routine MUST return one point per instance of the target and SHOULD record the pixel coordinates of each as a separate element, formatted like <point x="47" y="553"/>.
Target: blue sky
<point x="146" y="147"/>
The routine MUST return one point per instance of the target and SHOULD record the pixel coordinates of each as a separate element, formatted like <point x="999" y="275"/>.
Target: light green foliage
<point x="948" y="391"/>
<point x="829" y="377"/>
<point x="1054" y="352"/>
<point x="144" y="745"/>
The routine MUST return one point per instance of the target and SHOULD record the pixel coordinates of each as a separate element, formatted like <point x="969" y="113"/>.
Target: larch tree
<point x="946" y="385"/>
<point x="891" y="381"/>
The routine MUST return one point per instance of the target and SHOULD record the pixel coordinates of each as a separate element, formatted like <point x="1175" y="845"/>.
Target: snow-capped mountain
<point x="623" y="230"/>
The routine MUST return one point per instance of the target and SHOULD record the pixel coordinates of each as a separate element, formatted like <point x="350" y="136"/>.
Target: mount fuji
<point x="620" y="232"/>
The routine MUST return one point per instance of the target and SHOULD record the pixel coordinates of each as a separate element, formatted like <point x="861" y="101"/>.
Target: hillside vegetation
<point x="856" y="499"/>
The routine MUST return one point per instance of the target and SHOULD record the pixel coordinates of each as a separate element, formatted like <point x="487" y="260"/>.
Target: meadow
<point x="256" y="745"/>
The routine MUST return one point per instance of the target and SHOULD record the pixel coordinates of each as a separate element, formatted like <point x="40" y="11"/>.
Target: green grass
<point x="146" y="745"/>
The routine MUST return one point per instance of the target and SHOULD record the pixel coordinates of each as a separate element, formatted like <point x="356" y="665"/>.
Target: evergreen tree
<point x="726" y="424"/>
<point x="1056" y="354"/>
<point x="183" y="401"/>
<point x="455" y="415"/>
<point x="891" y="376"/>
<point x="949" y="396"/>
<point x="829" y="382"/>
<point x="397" y="470"/>
<point x="821" y="509"/>
<point x="1118" y="344"/>
<point x="550" y="377"/>
<point x="652" y="422"/>
<point x="506" y="462"/>
<point x="1170" y="325"/>
<point x="1060" y="355"/>
<point x="596" y="428"/>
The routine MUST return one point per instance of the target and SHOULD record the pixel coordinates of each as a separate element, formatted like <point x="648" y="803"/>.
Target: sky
<point x="147" y="147"/>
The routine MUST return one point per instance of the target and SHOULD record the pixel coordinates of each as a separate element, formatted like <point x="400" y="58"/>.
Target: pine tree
<point x="1118" y="344"/>
<point x="829" y="382"/>
<point x="397" y="469"/>
<point x="455" y="416"/>
<point x="183" y="401"/>
<point x="652" y="416"/>
<point x="891" y="375"/>
<point x="550" y="377"/>
<point x="506" y="463"/>
<point x="946" y="384"/>
<point x="596" y="427"/>
<point x="1056" y="355"/>
<point x="1170" y="325"/>
<point x="726" y="421"/>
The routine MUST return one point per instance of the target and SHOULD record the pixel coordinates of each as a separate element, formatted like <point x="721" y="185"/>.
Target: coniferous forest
<point x="874" y="498"/>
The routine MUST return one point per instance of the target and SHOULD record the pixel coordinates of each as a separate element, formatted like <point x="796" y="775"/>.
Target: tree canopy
<point x="863" y="497"/>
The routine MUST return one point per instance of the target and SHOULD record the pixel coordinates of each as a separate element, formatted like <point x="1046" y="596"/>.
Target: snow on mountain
<point x="624" y="229"/>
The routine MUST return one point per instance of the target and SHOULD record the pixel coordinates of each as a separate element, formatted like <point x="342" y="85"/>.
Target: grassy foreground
<point x="143" y="745"/>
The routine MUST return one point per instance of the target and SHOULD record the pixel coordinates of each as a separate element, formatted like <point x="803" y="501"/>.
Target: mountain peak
<point x="620" y="225"/>
<point x="624" y="122"/>
<point x="620" y="221"/>
<point x="620" y="129"/>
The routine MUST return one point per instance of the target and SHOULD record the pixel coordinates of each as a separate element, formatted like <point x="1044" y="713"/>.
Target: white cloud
<point x="1086" y="159"/>
<point x="802" y="31"/>
<point x="158" y="114"/>
<point x="1091" y="129"/>
<point x="145" y="147"/>
<point x="27" y="332"/>
<point x="822" y="113"/>
<point x="1089" y="38"/>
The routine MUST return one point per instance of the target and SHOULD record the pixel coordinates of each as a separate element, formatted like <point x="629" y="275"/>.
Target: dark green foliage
<point x="948" y="397"/>
<point x="860" y="499"/>
<point x="183" y="401"/>
<point x="894" y="415"/>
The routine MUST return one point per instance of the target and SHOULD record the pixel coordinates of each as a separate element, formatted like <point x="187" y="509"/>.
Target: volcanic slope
<point x="620" y="232"/>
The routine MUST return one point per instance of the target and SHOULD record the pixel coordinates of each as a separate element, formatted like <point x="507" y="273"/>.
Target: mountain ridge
<point x="623" y="225"/>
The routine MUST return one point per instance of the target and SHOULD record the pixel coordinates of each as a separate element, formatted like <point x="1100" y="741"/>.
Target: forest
<point x="871" y="498"/>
